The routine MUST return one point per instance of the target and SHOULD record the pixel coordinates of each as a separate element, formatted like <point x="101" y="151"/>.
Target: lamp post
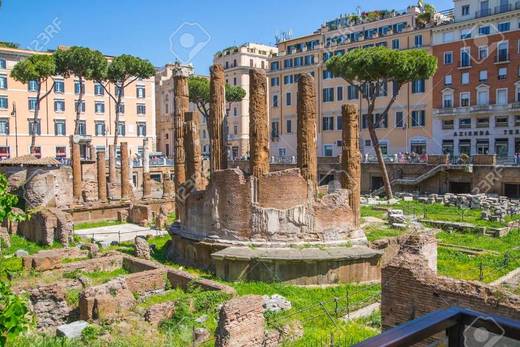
<point x="13" y="113"/>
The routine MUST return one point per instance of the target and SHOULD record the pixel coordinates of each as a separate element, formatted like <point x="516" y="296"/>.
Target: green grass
<point x="377" y="232"/>
<point x="370" y="211"/>
<point x="97" y="277"/>
<point x="96" y="224"/>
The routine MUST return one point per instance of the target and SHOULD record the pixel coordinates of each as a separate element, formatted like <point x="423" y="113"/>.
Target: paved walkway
<point x="363" y="312"/>
<point x="119" y="233"/>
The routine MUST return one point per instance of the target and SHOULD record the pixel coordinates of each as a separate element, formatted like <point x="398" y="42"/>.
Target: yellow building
<point x="236" y="62"/>
<point x="57" y="113"/>
<point x="408" y="125"/>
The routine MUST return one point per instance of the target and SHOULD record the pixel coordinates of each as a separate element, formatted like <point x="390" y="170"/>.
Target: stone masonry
<point x="351" y="159"/>
<point x="193" y="151"/>
<point x="101" y="177"/>
<point x="147" y="181"/>
<point x="125" y="184"/>
<point x="218" y="155"/>
<point x="258" y="123"/>
<point x="76" y="171"/>
<point x="306" y="132"/>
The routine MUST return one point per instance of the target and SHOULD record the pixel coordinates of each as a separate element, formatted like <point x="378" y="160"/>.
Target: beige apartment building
<point x="236" y="62"/>
<point x="408" y="125"/>
<point x="164" y="106"/>
<point x="57" y="113"/>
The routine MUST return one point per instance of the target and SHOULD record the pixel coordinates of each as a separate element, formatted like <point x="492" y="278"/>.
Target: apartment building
<point x="236" y="62"/>
<point x="164" y="106"/>
<point x="477" y="87"/>
<point x="57" y="113"/>
<point x="408" y="125"/>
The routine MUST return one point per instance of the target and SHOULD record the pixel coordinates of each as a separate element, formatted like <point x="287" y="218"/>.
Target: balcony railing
<point x="459" y="324"/>
<point x="503" y="8"/>
<point x="483" y="13"/>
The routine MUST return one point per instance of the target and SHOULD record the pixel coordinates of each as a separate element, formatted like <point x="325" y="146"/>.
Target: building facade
<point x="477" y="87"/>
<point x="164" y="106"/>
<point x="236" y="62"/>
<point x="408" y="125"/>
<point x="57" y="113"/>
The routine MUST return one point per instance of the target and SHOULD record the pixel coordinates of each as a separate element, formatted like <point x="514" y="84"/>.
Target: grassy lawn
<point x="371" y="211"/>
<point x="377" y="232"/>
<point x="96" y="224"/>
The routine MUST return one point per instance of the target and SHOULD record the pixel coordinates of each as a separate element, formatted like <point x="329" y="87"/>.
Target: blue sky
<point x="144" y="28"/>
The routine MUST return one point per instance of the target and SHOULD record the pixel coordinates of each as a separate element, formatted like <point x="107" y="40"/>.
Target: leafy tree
<point x="83" y="63"/>
<point x="38" y="68"/>
<point x="14" y="314"/>
<point x="8" y="44"/>
<point x="369" y="70"/>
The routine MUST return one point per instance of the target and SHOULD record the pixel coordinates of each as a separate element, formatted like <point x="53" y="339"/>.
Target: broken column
<point x="306" y="132"/>
<point x="92" y="152"/>
<point x="193" y="150"/>
<point x="217" y="93"/>
<point x="76" y="170"/>
<point x="101" y="177"/>
<point x="147" y="182"/>
<point x="351" y="159"/>
<point x="112" y="164"/>
<point x="168" y="188"/>
<point x="258" y="123"/>
<point x="125" y="172"/>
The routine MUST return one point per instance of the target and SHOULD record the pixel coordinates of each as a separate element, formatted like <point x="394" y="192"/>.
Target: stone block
<point x="72" y="330"/>
<point x="159" y="312"/>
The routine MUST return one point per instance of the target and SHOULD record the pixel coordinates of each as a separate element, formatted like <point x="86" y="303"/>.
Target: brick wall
<point x="282" y="189"/>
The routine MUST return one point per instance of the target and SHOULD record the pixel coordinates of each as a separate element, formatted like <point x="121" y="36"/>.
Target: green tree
<point x="369" y="70"/>
<point x="38" y="68"/>
<point x="7" y="202"/>
<point x="8" y="44"/>
<point x="82" y="63"/>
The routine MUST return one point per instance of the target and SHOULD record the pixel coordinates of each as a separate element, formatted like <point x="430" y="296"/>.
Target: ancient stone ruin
<point x="275" y="217"/>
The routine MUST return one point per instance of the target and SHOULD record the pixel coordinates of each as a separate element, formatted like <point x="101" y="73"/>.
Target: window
<point x="418" y="86"/>
<point x="31" y="104"/>
<point x="34" y="127"/>
<point x="4" y="152"/>
<point x="235" y="129"/>
<point x="287" y="63"/>
<point x="483" y="76"/>
<point x="418" y="118"/>
<point x="288" y="79"/>
<point x="121" y="129"/>
<point x="464" y="78"/>
<point x="418" y="41"/>
<point x="502" y="51"/>
<point x="465" y="10"/>
<point x="275" y="66"/>
<point x="395" y="44"/>
<point x="327" y="75"/>
<point x="275" y="133"/>
<point x="234" y="81"/>
<point x="447" y="100"/>
<point x="119" y="91"/>
<point x="328" y="94"/>
<point x="339" y="93"/>
<point x="364" y="121"/>
<point x="465" y="123"/>
<point x="418" y="146"/>
<point x="77" y="87"/>
<point x="288" y="126"/>
<point x="59" y="128"/>
<point x="447" y="36"/>
<point x="235" y="111"/>
<point x="4" y="126"/>
<point x="517" y="121"/>
<point x="77" y="106"/>
<point x="61" y="152"/>
<point x="465" y="59"/>
<point x="141" y="129"/>
<point x="3" y="82"/>
<point x="482" y="146"/>
<point x="309" y="59"/>
<point x="275" y="100"/>
<point x="120" y="108"/>
<point x="141" y="109"/>
<point x="399" y="119"/>
<point x="59" y="87"/>
<point x="275" y="81"/>
<point x="98" y="89"/>
<point x="484" y="30"/>
<point x="381" y="120"/>
<point x="448" y="80"/>
<point x="352" y="92"/>
<point x="339" y="123"/>
<point x="483" y="122"/>
<point x="483" y="97"/>
<point x="99" y="107"/>
<point x="32" y="86"/>
<point x="502" y="73"/>
<point x="99" y="128"/>
<point x="465" y="99"/>
<point x="448" y="58"/>
<point x="328" y="151"/>
<point x="288" y="99"/>
<point x="140" y="91"/>
<point x="465" y="34"/>
<point x="502" y="122"/>
<point x="82" y="127"/>
<point x="447" y="124"/>
<point x="3" y="64"/>
<point x="327" y="123"/>
<point x="501" y="96"/>
<point x="4" y="102"/>
<point x="59" y="106"/>
<point x="482" y="53"/>
<point x="465" y="146"/>
<point x="505" y="26"/>
<point x="448" y="147"/>
<point x="501" y="147"/>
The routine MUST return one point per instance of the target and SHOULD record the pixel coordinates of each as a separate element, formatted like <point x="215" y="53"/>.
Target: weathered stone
<point x="92" y="249"/>
<point x="49" y="305"/>
<point x="351" y="158"/>
<point x="218" y="153"/>
<point x="49" y="187"/>
<point x="76" y="170"/>
<point x="20" y="253"/>
<point x="193" y="152"/>
<point x="159" y="312"/>
<point x="125" y="172"/>
<point x="147" y="181"/>
<point x="168" y="187"/>
<point x="101" y="176"/>
<point x="5" y="239"/>
<point x="72" y="330"/>
<point x="142" y="248"/>
<point x="47" y="225"/>
<point x="258" y="123"/>
<point x="112" y="164"/>
<point x="276" y="303"/>
<point x="306" y="130"/>
<point x="200" y="335"/>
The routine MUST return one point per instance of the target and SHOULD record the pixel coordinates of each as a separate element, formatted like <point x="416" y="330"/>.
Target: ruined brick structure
<point x="306" y="146"/>
<point x="76" y="171"/>
<point x="217" y="99"/>
<point x="258" y="123"/>
<point x="193" y="151"/>
<point x="47" y="225"/>
<point x="351" y="159"/>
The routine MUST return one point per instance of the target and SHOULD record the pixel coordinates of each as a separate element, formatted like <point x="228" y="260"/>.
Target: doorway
<point x="460" y="187"/>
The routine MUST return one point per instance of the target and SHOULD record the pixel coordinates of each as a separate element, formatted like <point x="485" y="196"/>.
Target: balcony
<point x="483" y="13"/>
<point x="459" y="325"/>
<point x="503" y="8"/>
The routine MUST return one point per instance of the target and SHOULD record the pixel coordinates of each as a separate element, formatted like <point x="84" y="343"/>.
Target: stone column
<point x="258" y="123"/>
<point x="92" y="152"/>
<point x="101" y="177"/>
<point x="351" y="159"/>
<point x="306" y="128"/>
<point x="125" y="172"/>
<point x="217" y="107"/>
<point x="193" y="150"/>
<point x="167" y="186"/>
<point x="112" y="163"/>
<point x="147" y="182"/>
<point x="76" y="170"/>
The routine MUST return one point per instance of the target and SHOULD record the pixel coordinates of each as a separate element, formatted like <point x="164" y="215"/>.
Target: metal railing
<point x="483" y="13"/>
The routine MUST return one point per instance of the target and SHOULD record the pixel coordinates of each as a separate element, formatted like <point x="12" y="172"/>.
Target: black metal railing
<point x="484" y="13"/>
<point x="503" y="8"/>
<point x="459" y="324"/>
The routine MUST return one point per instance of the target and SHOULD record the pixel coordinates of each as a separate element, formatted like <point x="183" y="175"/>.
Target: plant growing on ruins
<point x="7" y="202"/>
<point x="14" y="314"/>
<point x="38" y="69"/>
<point x="369" y="70"/>
<point x="82" y="63"/>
